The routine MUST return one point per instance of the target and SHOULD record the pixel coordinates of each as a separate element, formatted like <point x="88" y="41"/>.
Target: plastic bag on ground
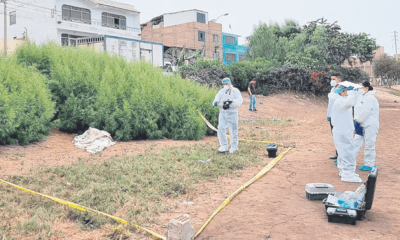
<point x="93" y="140"/>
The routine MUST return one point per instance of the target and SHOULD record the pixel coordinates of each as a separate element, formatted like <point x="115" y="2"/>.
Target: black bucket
<point x="272" y="150"/>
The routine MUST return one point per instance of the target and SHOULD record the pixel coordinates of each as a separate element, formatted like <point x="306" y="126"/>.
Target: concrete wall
<point x="135" y="50"/>
<point x="42" y="20"/>
<point x="232" y="48"/>
<point x="32" y="20"/>
<point x="171" y="19"/>
<point x="186" y="35"/>
<point x="12" y="45"/>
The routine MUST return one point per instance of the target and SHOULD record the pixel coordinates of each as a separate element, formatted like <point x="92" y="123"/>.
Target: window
<point x="230" y="57"/>
<point x="201" y="18"/>
<point x="13" y="18"/>
<point x="202" y="36"/>
<point x="229" y="40"/>
<point x="69" y="40"/>
<point x="215" y="55"/>
<point x="76" y="14"/>
<point x="215" y="38"/>
<point x="113" y="21"/>
<point x="242" y="57"/>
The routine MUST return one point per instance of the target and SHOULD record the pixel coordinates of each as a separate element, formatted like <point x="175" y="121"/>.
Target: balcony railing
<point x="99" y="24"/>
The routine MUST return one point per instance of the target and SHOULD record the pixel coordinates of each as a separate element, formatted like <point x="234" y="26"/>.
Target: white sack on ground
<point x="93" y="140"/>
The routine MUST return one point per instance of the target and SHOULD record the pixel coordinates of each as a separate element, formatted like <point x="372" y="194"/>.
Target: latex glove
<point x="215" y="104"/>
<point x="351" y="88"/>
<point x="328" y="119"/>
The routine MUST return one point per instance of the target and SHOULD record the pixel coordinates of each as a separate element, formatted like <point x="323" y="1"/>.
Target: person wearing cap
<point x="228" y="99"/>
<point x="336" y="78"/>
<point x="343" y="128"/>
<point x="252" y="94"/>
<point x="366" y="116"/>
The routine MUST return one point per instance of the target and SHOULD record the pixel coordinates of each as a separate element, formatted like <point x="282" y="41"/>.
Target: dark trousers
<point x="330" y="122"/>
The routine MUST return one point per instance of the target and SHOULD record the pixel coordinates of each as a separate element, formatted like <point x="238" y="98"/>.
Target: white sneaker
<point x="352" y="179"/>
<point x="223" y="149"/>
<point x="232" y="150"/>
<point x="340" y="173"/>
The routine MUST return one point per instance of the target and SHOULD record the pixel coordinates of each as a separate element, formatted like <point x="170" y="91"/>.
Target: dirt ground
<point x="273" y="207"/>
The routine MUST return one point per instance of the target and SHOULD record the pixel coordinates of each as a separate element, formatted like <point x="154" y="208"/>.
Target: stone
<point x="180" y="228"/>
<point x="289" y="144"/>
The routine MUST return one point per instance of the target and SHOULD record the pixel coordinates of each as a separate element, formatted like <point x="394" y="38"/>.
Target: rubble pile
<point x="177" y="56"/>
<point x="206" y="76"/>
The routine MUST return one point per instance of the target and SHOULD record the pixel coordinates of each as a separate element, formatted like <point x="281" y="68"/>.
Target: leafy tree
<point x="266" y="43"/>
<point x="342" y="46"/>
<point x="316" y="44"/>
<point x="308" y="51"/>
<point x="387" y="68"/>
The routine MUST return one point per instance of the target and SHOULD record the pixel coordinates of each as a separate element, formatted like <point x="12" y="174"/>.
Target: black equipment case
<point x="341" y="215"/>
<point x="368" y="198"/>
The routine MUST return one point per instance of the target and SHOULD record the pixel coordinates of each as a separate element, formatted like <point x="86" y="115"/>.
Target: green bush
<point x="129" y="100"/>
<point x="243" y="72"/>
<point x="25" y="104"/>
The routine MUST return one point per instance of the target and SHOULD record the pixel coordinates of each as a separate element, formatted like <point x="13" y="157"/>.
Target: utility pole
<point x="5" y="27"/>
<point x="395" y="43"/>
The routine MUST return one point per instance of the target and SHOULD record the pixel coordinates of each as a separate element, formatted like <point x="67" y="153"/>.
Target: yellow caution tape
<point x="85" y="209"/>
<point x="207" y="122"/>
<point x="240" y="139"/>
<point x="248" y="183"/>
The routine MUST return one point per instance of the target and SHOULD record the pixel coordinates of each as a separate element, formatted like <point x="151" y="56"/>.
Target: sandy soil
<point x="273" y="207"/>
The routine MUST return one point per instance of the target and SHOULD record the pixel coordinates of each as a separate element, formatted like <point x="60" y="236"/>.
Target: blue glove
<point x="351" y="88"/>
<point x="328" y="118"/>
<point x="358" y="129"/>
<point x="215" y="103"/>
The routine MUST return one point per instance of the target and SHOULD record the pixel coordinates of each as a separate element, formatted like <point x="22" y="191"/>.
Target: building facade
<point x="232" y="51"/>
<point x="367" y="66"/>
<point x="189" y="29"/>
<point x="64" y="21"/>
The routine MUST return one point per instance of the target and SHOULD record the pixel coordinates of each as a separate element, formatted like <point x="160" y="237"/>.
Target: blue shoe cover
<point x="335" y="163"/>
<point x="365" y="168"/>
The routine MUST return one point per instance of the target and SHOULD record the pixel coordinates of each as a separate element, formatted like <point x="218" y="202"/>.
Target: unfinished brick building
<point x="187" y="29"/>
<point x="367" y="66"/>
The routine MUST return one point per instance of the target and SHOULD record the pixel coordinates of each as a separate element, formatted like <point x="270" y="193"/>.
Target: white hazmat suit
<point x="366" y="112"/>
<point x="228" y="118"/>
<point x="332" y="97"/>
<point x="343" y="128"/>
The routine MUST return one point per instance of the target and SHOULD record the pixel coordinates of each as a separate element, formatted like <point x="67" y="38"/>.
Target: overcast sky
<point x="380" y="18"/>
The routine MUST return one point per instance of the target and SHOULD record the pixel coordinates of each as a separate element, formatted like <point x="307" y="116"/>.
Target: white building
<point x="187" y="16"/>
<point x="63" y="21"/>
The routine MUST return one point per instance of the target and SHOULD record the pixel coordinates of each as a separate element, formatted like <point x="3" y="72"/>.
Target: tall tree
<point x="315" y="44"/>
<point x="388" y="69"/>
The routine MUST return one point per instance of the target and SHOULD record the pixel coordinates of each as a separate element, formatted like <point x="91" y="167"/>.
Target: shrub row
<point x="129" y="100"/>
<point x="271" y="76"/>
<point x="25" y="104"/>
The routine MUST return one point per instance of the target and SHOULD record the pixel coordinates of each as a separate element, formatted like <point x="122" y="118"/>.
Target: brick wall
<point x="367" y="66"/>
<point x="186" y="35"/>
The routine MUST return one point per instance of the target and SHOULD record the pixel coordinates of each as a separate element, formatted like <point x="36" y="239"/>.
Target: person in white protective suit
<point x="228" y="99"/>
<point x="343" y="128"/>
<point x="336" y="78"/>
<point x="366" y="115"/>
